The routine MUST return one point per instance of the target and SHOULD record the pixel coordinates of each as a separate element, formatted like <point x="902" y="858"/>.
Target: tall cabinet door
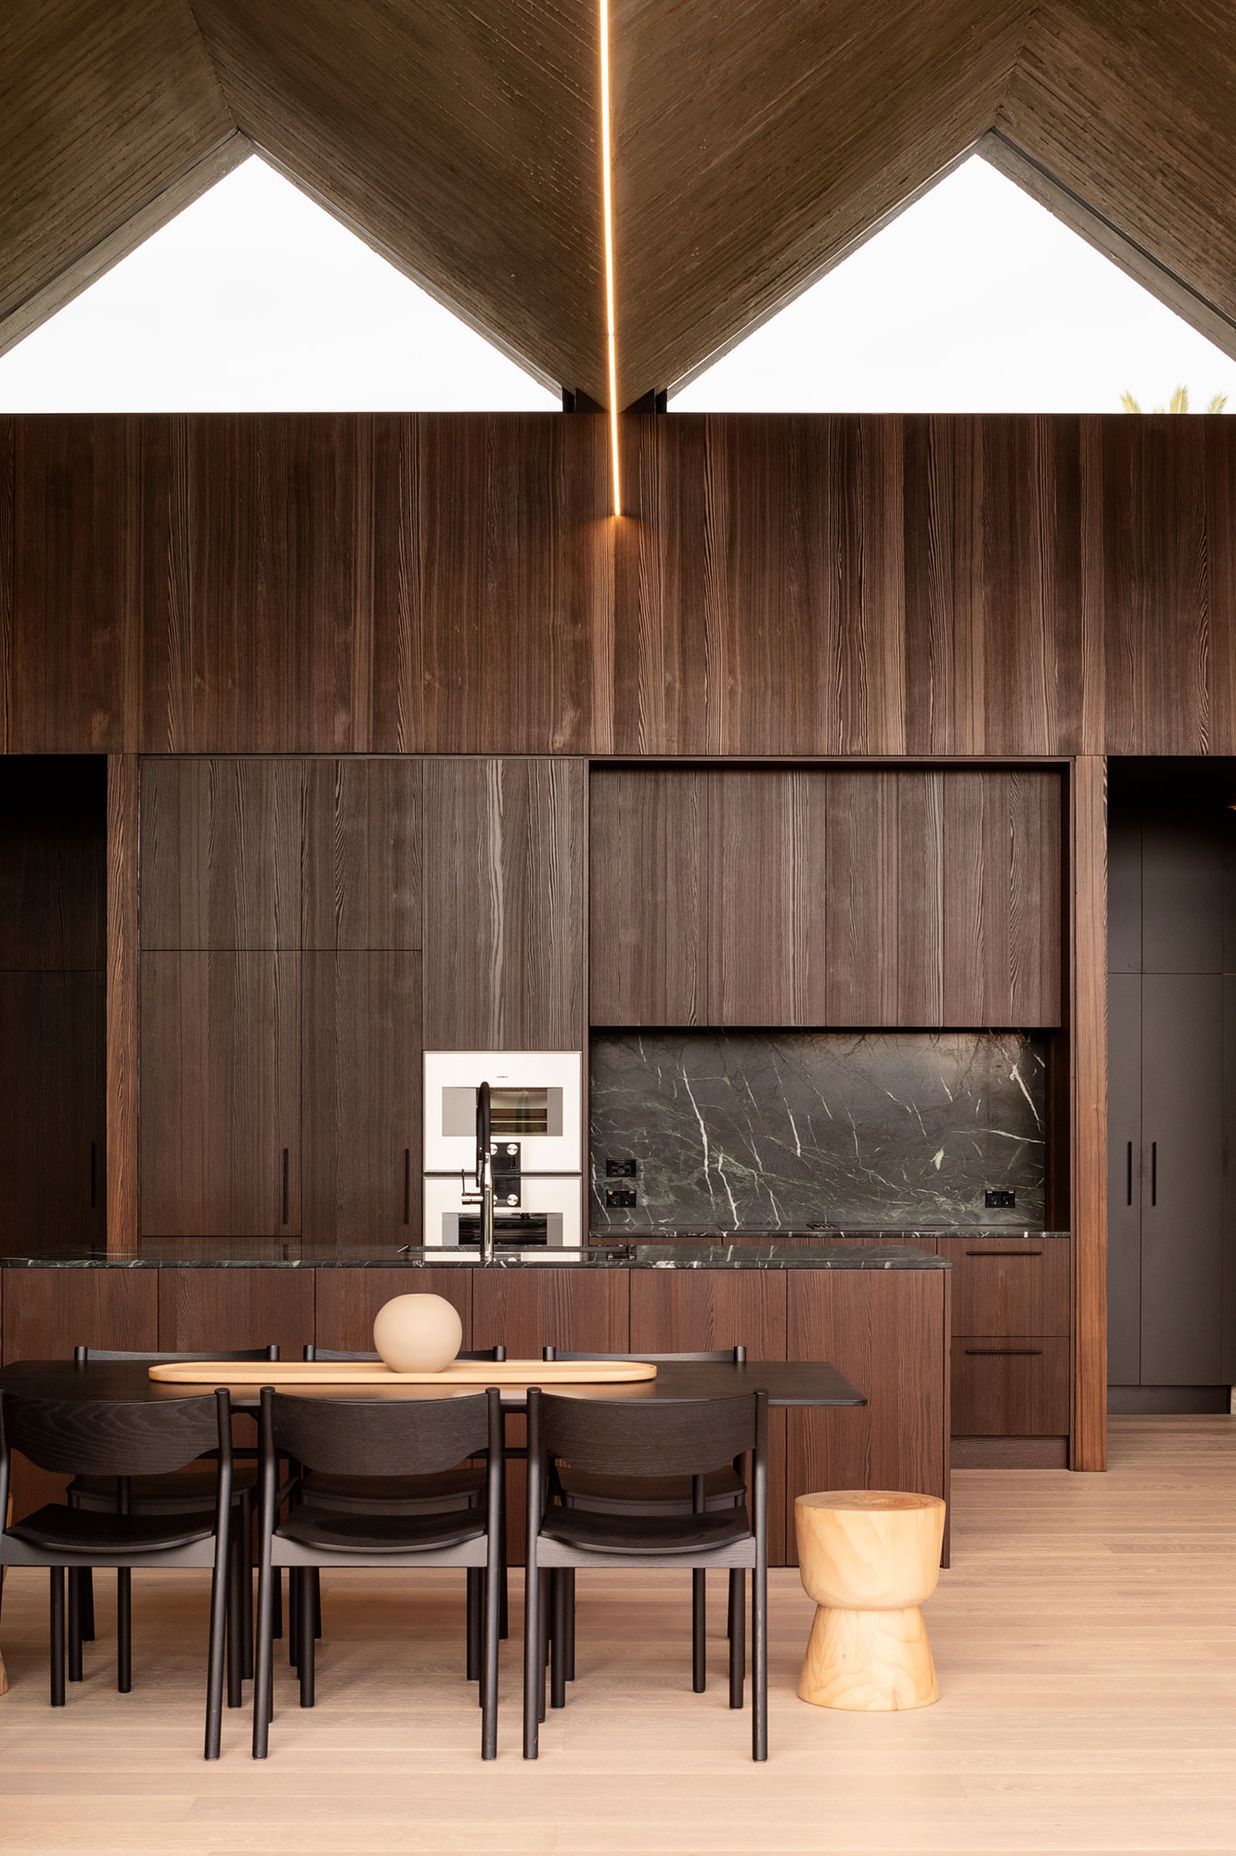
<point x="504" y="904"/>
<point x="220" y="1132"/>
<point x="1182" y="1178"/>
<point x="1124" y="1174"/>
<point x="362" y="1097"/>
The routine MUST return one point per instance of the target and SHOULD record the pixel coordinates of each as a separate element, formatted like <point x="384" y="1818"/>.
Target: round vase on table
<point x="417" y="1333"/>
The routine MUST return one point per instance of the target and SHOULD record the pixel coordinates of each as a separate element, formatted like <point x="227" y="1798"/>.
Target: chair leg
<point x="220" y="1583"/>
<point x="737" y="1633"/>
<point x="294" y="1597"/>
<point x="472" y="1605"/>
<point x="489" y="1672"/>
<point x="277" y="1613"/>
<point x="87" y="1604"/>
<point x="534" y="1662"/>
<point x="244" y="1560"/>
<point x="57" y="1636"/>
<point x="759" y="1663"/>
<point x="558" y="1675"/>
<point x="124" y="1630"/>
<point x="264" y="1659"/>
<point x="315" y="1586"/>
<point x="544" y="1617"/>
<point x="568" y="1638"/>
<point x="504" y="1595"/>
<point x="307" y="1611"/>
<point x="237" y="1572"/>
<point x="75" y="1624"/>
<point x="699" y="1631"/>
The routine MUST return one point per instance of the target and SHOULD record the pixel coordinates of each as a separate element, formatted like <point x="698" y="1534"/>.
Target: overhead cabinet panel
<point x="362" y="866"/>
<point x="1184" y="852"/>
<point x="505" y="936"/>
<point x="766" y="890"/>
<point x="860" y="889"/>
<point x="648" y="839"/>
<point x="221" y="846"/>
<point x="220" y="1070"/>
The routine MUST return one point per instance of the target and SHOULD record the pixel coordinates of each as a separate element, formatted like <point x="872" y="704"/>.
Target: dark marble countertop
<point x="778" y="1254"/>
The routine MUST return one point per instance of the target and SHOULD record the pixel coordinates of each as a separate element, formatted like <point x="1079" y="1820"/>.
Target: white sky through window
<point x="254" y="299"/>
<point x="975" y="299"/>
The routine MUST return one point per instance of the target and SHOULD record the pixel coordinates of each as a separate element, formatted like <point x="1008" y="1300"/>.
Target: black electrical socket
<point x="620" y="1169"/>
<point x="621" y="1198"/>
<point x="999" y="1198"/>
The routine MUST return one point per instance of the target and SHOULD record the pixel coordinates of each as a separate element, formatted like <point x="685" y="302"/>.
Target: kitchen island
<point x="878" y="1312"/>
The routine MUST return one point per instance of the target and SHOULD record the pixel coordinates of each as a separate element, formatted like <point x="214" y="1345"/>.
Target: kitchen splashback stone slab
<point x="836" y="1130"/>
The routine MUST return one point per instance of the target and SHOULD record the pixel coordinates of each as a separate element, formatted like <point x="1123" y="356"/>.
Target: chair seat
<point x="187" y="1492"/>
<point x="77" y="1530"/>
<point x="328" y="1531"/>
<point x="647" y="1495"/>
<point x="634" y="1534"/>
<point x="454" y="1488"/>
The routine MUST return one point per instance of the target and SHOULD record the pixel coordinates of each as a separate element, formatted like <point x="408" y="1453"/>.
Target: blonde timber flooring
<point x="1085" y="1639"/>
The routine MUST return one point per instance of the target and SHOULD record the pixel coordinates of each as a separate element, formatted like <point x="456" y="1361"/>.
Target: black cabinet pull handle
<point x="1020" y="1353"/>
<point x="407" y="1185"/>
<point x="1004" y="1253"/>
<point x="94" y="1175"/>
<point x="1154" y="1172"/>
<point x="285" y="1185"/>
<point x="1128" y="1173"/>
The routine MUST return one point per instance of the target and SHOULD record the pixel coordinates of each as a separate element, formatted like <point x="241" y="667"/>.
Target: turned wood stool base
<point x="870" y="1558"/>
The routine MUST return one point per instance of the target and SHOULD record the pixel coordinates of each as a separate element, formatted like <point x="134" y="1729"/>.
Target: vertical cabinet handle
<point x="285" y="1185"/>
<point x="407" y="1185"/>
<point x="1128" y="1173"/>
<point x="1154" y="1172"/>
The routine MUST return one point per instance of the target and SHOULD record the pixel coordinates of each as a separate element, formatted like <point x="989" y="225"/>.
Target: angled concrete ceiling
<point x="755" y="143"/>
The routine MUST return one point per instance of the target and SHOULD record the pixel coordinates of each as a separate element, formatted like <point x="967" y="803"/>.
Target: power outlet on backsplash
<point x="625" y="1168"/>
<point x="999" y="1198"/>
<point x="620" y="1198"/>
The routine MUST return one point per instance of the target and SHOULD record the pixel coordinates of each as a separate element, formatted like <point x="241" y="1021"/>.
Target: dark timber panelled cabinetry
<point x="826" y="896"/>
<point x="1171" y="1000"/>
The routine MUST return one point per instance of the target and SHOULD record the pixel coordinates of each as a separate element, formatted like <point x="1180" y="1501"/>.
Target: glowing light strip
<point x="607" y="217"/>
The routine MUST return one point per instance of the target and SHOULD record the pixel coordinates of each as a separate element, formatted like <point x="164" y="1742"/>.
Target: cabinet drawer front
<point x="1010" y="1286"/>
<point x="1010" y="1388"/>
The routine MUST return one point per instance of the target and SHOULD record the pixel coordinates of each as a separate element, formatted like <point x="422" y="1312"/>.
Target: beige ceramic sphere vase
<point x="417" y="1333"/>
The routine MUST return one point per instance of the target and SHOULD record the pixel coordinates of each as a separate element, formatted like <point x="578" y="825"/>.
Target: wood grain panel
<point x="106" y="109"/>
<point x="362" y="862"/>
<point x="648" y="842"/>
<point x="122" y="1019"/>
<point x="1003" y="930"/>
<point x="504" y="907"/>
<point x="1088" y="1121"/>
<point x="220" y="1100"/>
<point x="348" y="1300"/>
<point x="493" y="604"/>
<point x="1010" y="1387"/>
<point x="218" y="1310"/>
<point x="766" y="908"/>
<point x="52" y="838"/>
<point x="76" y="624"/>
<point x="860" y="891"/>
<point x="914" y="937"/>
<point x="683" y="1311"/>
<point x="221" y="853"/>
<point x="887" y="1331"/>
<point x="255" y="573"/>
<point x="48" y="1312"/>
<point x="51" y="1111"/>
<point x="1010" y="1286"/>
<point x="361" y="1098"/>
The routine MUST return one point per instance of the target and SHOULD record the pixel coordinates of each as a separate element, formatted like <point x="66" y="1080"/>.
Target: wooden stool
<point x="869" y="1558"/>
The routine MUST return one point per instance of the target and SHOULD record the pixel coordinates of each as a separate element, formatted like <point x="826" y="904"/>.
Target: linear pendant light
<point x="607" y="219"/>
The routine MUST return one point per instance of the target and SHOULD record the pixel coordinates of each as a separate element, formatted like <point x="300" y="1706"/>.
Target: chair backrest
<point x="380" y="1437"/>
<point x="312" y="1352"/>
<point x="115" y="1437"/>
<point x="721" y="1356"/>
<point x="634" y="1437"/>
<point x="82" y="1356"/>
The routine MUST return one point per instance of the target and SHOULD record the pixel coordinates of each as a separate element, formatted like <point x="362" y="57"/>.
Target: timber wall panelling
<point x="785" y="585"/>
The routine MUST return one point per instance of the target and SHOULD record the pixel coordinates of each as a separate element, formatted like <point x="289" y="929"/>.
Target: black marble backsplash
<point x="836" y="1130"/>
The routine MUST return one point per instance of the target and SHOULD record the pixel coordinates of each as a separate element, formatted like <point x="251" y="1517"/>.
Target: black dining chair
<point x="125" y="1439"/>
<point x="386" y="1438"/>
<point x="630" y="1437"/>
<point x="631" y="1495"/>
<point x="460" y="1487"/>
<point x="187" y="1492"/>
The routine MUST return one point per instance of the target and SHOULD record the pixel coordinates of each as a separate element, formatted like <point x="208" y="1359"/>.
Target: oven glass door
<point x="535" y="1099"/>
